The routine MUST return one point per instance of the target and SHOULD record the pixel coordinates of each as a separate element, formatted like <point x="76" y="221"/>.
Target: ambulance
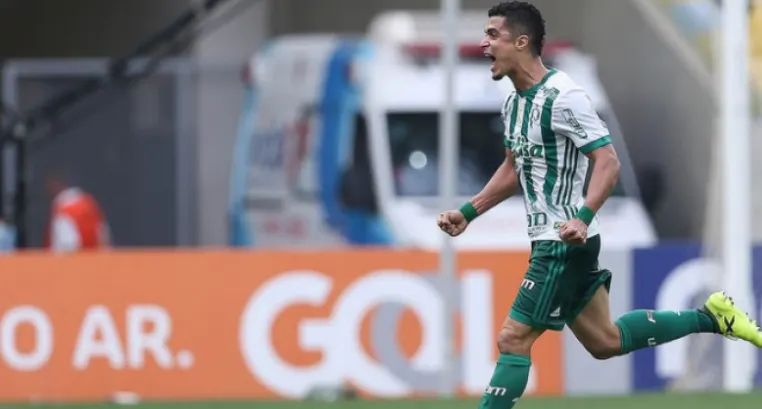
<point x="338" y="141"/>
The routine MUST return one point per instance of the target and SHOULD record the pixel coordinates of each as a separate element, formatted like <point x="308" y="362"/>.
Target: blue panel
<point x="652" y="267"/>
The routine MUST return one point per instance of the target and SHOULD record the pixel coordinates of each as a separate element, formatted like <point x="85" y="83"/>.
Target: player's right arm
<point x="503" y="184"/>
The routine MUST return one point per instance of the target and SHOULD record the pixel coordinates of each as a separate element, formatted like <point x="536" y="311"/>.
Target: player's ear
<point x="522" y="42"/>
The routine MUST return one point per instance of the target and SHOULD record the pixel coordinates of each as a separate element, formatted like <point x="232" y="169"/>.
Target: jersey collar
<point x="535" y="87"/>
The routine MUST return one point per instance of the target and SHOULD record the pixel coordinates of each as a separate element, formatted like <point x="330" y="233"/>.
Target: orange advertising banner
<point x="251" y="325"/>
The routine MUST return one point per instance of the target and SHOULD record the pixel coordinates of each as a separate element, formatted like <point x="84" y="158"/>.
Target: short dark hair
<point x="522" y="18"/>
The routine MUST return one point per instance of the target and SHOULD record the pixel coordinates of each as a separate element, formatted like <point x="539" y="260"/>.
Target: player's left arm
<point x="575" y="117"/>
<point x="604" y="177"/>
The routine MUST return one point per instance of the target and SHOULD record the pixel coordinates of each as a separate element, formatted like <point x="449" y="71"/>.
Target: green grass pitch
<point x="655" y="401"/>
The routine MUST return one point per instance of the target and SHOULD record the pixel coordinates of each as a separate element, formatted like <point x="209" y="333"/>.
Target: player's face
<point x="501" y="47"/>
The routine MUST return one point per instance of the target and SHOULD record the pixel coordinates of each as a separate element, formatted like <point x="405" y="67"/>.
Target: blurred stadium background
<point x="268" y="174"/>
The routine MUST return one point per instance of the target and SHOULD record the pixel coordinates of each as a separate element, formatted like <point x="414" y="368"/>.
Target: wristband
<point x="585" y="214"/>
<point x="469" y="211"/>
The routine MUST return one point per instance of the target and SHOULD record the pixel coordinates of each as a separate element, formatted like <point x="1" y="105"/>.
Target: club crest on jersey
<point x="534" y="116"/>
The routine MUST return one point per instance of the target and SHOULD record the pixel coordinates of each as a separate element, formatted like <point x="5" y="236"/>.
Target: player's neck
<point x="529" y="73"/>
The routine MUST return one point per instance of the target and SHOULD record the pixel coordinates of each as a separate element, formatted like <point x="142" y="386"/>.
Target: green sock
<point x="507" y="383"/>
<point x="646" y="328"/>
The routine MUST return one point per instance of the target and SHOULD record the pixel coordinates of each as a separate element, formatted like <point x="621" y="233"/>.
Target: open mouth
<point x="488" y="55"/>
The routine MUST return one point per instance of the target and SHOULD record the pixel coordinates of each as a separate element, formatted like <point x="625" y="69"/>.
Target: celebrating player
<point x="552" y="133"/>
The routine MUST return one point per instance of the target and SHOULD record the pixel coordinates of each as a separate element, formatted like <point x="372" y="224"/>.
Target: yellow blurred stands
<point x="755" y="40"/>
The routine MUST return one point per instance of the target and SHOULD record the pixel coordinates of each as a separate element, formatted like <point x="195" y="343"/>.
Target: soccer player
<point x="552" y="133"/>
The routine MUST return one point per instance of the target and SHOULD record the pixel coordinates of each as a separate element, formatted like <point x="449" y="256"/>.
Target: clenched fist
<point x="573" y="232"/>
<point x="452" y="222"/>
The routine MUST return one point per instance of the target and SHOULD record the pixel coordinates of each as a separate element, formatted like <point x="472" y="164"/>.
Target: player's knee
<point x="515" y="338"/>
<point x="603" y="352"/>
<point x="606" y="346"/>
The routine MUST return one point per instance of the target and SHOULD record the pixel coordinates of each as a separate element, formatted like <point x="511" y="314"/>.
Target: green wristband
<point x="585" y="214"/>
<point x="469" y="211"/>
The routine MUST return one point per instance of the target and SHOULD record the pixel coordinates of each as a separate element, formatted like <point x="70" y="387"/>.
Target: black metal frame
<point x="20" y="129"/>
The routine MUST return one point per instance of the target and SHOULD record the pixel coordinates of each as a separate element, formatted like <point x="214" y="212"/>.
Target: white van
<point x="338" y="142"/>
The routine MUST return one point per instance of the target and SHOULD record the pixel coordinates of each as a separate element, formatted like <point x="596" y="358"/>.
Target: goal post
<point x="735" y="134"/>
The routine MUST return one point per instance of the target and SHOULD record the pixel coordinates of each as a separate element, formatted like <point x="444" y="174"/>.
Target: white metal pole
<point x="739" y="357"/>
<point x="448" y="181"/>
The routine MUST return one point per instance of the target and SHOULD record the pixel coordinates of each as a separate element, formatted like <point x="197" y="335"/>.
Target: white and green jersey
<point x="549" y="128"/>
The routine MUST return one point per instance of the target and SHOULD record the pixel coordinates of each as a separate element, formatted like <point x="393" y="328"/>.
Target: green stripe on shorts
<point x="554" y="271"/>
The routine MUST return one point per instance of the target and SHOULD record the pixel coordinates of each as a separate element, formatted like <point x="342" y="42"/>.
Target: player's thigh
<point x="592" y="326"/>
<point x="539" y="297"/>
